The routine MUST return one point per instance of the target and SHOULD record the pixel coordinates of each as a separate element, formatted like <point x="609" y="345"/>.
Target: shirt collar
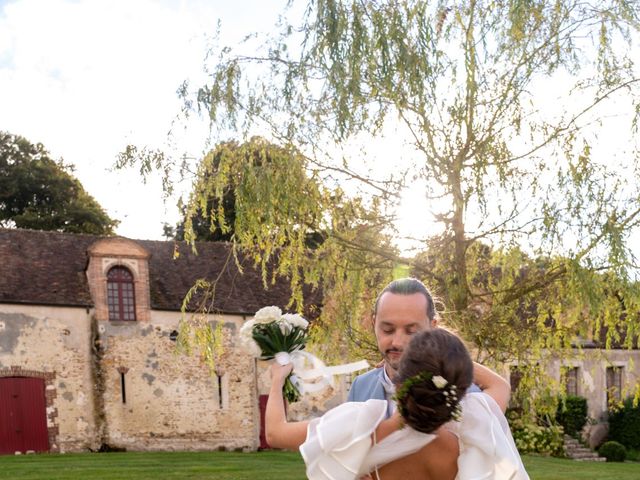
<point x="387" y="384"/>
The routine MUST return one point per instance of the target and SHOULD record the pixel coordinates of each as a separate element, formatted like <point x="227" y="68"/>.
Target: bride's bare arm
<point x="492" y="384"/>
<point x="279" y="432"/>
<point x="388" y="426"/>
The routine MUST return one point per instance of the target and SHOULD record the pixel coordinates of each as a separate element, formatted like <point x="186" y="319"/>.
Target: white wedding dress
<point x="339" y="445"/>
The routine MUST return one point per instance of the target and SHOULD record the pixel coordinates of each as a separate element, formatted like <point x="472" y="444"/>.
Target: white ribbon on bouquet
<point x="310" y="374"/>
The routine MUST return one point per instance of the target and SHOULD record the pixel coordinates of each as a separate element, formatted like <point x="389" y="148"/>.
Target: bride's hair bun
<point x="423" y="404"/>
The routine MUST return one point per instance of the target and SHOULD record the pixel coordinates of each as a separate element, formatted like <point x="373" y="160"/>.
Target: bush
<point x="613" y="451"/>
<point x="624" y="425"/>
<point x="572" y="414"/>
<point x="633" y="455"/>
<point x="532" y="437"/>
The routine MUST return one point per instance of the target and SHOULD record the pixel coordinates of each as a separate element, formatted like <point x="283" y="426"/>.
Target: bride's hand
<point x="279" y="373"/>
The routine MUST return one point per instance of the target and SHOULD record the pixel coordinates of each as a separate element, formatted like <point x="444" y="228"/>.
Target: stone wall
<point x="592" y="381"/>
<point x="173" y="401"/>
<point x="592" y="367"/>
<point x="54" y="343"/>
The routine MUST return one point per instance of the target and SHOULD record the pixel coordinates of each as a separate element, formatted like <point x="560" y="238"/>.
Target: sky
<point x="88" y="77"/>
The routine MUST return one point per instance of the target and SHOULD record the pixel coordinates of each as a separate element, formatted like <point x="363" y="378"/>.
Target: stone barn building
<point x="88" y="330"/>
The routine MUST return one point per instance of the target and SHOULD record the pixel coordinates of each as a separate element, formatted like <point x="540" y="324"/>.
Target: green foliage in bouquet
<point x="272" y="340"/>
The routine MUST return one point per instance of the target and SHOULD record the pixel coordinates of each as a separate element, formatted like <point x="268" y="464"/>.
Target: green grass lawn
<point x="241" y="466"/>
<point x="154" y="466"/>
<point x="545" y="468"/>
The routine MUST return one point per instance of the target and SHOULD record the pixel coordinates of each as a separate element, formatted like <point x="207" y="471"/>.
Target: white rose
<point x="439" y="381"/>
<point x="295" y="320"/>
<point x="267" y="315"/>
<point x="285" y="326"/>
<point x="246" y="341"/>
<point x="251" y="347"/>
<point x="246" y="331"/>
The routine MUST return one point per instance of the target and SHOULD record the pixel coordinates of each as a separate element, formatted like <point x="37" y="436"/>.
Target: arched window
<point x="121" y="297"/>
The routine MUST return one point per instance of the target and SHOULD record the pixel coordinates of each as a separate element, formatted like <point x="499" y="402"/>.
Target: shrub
<point x="624" y="425"/>
<point x="532" y="437"/>
<point x="633" y="455"/>
<point x="613" y="451"/>
<point x="572" y="414"/>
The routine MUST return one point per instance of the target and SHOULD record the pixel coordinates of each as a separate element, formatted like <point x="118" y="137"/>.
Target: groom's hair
<point x="408" y="286"/>
<point x="424" y="405"/>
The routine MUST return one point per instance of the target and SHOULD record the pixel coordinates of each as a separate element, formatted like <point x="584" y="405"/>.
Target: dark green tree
<point x="40" y="193"/>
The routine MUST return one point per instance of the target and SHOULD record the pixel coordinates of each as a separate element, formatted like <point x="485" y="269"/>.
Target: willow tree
<point x="462" y="83"/>
<point x="296" y="229"/>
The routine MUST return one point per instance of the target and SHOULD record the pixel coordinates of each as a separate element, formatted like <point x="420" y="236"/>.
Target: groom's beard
<point x="392" y="359"/>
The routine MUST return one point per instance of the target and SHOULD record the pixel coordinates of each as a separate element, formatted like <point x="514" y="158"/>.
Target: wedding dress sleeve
<point x="339" y="444"/>
<point x="487" y="449"/>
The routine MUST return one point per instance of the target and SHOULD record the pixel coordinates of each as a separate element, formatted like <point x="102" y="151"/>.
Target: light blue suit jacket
<point x="369" y="385"/>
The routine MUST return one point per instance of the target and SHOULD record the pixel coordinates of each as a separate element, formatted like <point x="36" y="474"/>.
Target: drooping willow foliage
<point x="501" y="103"/>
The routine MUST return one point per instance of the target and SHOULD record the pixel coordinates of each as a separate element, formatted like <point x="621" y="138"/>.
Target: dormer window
<point x="121" y="295"/>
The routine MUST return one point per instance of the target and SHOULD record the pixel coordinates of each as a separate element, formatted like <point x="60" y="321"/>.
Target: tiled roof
<point x="48" y="268"/>
<point x="44" y="267"/>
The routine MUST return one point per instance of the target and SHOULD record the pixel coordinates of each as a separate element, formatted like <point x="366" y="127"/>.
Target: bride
<point x="437" y="432"/>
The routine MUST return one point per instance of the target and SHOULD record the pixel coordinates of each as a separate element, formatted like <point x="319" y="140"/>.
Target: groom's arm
<point x="493" y="385"/>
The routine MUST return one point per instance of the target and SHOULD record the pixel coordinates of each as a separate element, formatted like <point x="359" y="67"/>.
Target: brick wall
<point x="111" y="252"/>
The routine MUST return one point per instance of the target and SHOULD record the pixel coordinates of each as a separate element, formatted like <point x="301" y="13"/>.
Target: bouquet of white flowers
<point x="271" y="332"/>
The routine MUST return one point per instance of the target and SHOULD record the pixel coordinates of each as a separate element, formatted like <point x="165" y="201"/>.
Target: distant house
<point x="602" y="376"/>
<point x="87" y="345"/>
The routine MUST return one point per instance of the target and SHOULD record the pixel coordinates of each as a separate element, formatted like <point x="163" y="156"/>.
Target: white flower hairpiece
<point x="439" y="382"/>
<point x="450" y="392"/>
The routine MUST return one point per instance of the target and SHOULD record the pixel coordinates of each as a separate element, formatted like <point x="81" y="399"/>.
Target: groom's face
<point x="397" y="319"/>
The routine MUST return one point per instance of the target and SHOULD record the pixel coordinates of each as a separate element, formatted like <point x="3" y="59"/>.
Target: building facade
<point x="88" y="359"/>
<point x="88" y="330"/>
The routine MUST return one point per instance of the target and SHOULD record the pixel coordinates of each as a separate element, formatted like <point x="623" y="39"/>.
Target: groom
<point x="403" y="308"/>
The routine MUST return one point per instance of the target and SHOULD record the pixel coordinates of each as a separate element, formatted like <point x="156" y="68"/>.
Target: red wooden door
<point x="262" y="399"/>
<point x="23" y="417"/>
